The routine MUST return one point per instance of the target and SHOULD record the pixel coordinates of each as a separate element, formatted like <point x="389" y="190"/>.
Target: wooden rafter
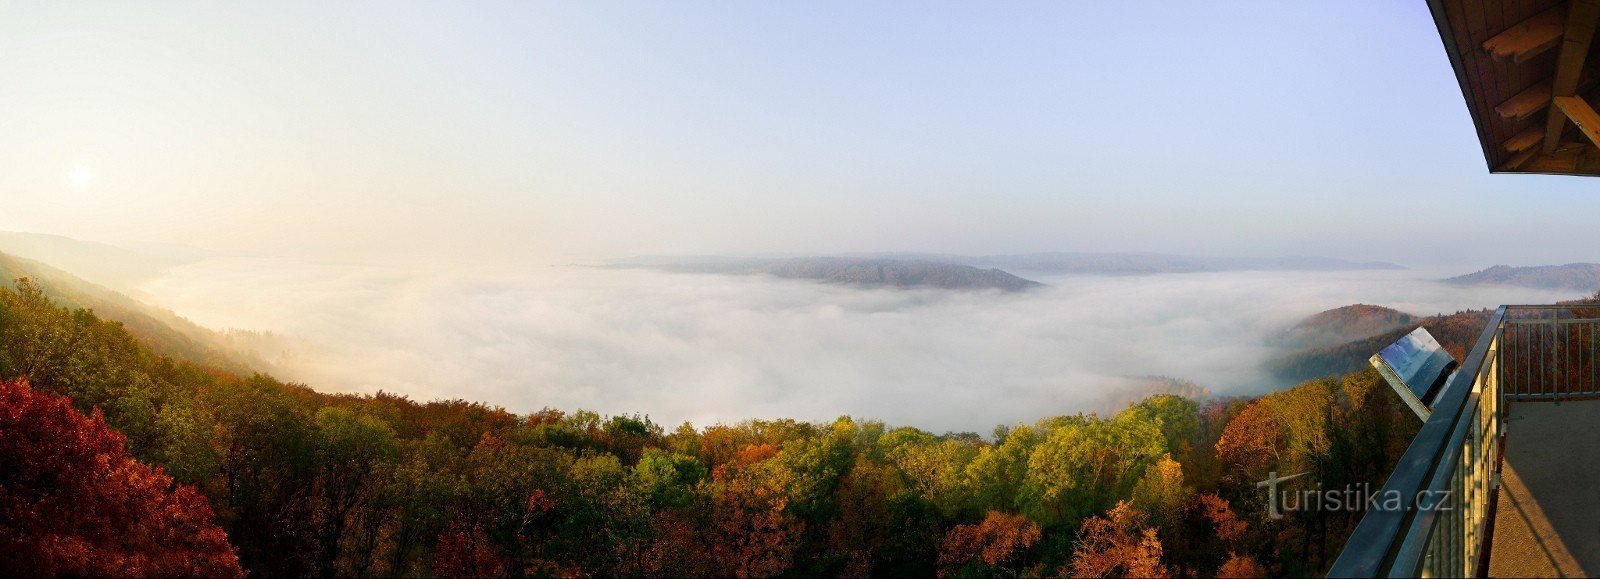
<point x="1579" y="31"/>
<point x="1524" y="141"/>
<point x="1518" y="161"/>
<point x="1529" y="38"/>
<point x="1525" y="103"/>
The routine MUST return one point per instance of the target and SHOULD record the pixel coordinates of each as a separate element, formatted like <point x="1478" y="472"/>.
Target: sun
<point x="80" y="176"/>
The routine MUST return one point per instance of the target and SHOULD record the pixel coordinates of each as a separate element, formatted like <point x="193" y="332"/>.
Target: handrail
<point x="1409" y="559"/>
<point x="1377" y="542"/>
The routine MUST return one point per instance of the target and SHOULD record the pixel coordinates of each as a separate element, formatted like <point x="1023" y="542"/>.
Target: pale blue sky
<point x="508" y="132"/>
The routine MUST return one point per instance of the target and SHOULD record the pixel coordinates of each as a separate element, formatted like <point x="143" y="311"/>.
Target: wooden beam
<point x="1527" y="102"/>
<point x="1518" y="161"/>
<point x="1582" y="115"/>
<point x="1530" y="38"/>
<point x="1526" y="140"/>
<point x="1577" y="34"/>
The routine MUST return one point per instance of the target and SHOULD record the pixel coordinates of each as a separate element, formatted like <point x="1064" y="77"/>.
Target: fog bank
<point x="710" y="348"/>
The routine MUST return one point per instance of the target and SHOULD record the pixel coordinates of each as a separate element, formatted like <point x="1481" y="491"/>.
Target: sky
<point x="510" y="133"/>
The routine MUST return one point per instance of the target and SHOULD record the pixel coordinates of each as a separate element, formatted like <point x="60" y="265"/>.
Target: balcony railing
<point x="1447" y="478"/>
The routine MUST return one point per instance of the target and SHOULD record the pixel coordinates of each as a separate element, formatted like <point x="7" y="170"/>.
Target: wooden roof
<point x="1529" y="74"/>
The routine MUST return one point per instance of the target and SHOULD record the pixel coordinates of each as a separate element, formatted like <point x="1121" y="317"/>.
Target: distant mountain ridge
<point x="1583" y="277"/>
<point x="859" y="272"/>
<point x="988" y="271"/>
<point x="1151" y="263"/>
<point x="95" y="262"/>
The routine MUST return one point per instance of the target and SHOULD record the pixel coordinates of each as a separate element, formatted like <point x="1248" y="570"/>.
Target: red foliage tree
<point x="72" y="502"/>
<point x="467" y="552"/>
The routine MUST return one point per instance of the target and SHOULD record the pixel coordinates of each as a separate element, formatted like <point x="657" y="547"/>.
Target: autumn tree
<point x="1118" y="544"/>
<point x="994" y="547"/>
<point x="467" y="552"/>
<point x="754" y="530"/>
<point x="75" y="503"/>
<point x="1241" y="567"/>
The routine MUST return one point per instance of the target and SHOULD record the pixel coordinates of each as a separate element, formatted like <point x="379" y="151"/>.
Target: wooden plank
<point x="1579" y="31"/>
<point x="1530" y="38"/>
<point x="1524" y="141"/>
<point x="1582" y="115"/>
<point x="1518" y="161"/>
<point x="1527" y="102"/>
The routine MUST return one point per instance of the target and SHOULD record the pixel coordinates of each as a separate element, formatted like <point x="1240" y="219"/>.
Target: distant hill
<point x="944" y="270"/>
<point x="1583" y="277"/>
<point x="857" y="271"/>
<point x="1138" y="263"/>
<point x="1151" y="263"/>
<point x="1455" y="332"/>
<point x="159" y="329"/>
<point x="1345" y="324"/>
<point x="92" y="261"/>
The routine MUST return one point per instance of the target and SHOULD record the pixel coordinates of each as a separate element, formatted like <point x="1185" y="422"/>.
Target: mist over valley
<point x="727" y="347"/>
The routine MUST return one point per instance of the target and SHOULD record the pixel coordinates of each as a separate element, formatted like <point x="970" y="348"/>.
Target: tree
<point x="994" y="547"/>
<point x="1226" y="524"/>
<point x="935" y="468"/>
<point x="753" y="531"/>
<point x="467" y="552"/>
<point x="421" y="494"/>
<point x="1118" y="543"/>
<point x="354" y="453"/>
<point x="268" y="443"/>
<point x="1085" y="465"/>
<point x="75" y="503"/>
<point x="998" y="471"/>
<point x="1161" y="491"/>
<point x="1241" y="567"/>
<point x="668" y="479"/>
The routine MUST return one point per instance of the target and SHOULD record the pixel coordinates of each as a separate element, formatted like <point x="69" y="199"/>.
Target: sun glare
<point x="80" y="176"/>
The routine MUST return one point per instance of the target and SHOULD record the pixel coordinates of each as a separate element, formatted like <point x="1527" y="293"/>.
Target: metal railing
<point x="1448" y="475"/>
<point x="1551" y="352"/>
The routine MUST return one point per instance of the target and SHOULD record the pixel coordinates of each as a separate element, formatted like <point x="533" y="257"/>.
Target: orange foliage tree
<point x="1118" y="543"/>
<point x="996" y="544"/>
<point x="1241" y="567"/>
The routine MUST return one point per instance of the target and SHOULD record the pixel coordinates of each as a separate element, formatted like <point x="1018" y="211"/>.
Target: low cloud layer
<point x="710" y="348"/>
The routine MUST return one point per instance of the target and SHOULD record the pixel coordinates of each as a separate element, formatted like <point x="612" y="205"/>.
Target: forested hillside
<point x="1346" y="324"/>
<point x="1455" y="332"/>
<point x="308" y="483"/>
<point x="159" y="329"/>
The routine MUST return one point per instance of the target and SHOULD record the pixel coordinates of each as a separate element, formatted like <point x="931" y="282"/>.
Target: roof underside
<point x="1528" y="73"/>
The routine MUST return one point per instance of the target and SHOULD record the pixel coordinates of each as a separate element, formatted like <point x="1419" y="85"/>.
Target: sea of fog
<point x="710" y="348"/>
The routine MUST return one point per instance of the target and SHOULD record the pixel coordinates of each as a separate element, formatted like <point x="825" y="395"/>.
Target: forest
<point x="116" y="459"/>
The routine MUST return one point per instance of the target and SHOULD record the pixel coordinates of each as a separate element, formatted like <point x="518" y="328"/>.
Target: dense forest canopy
<point x="308" y="483"/>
